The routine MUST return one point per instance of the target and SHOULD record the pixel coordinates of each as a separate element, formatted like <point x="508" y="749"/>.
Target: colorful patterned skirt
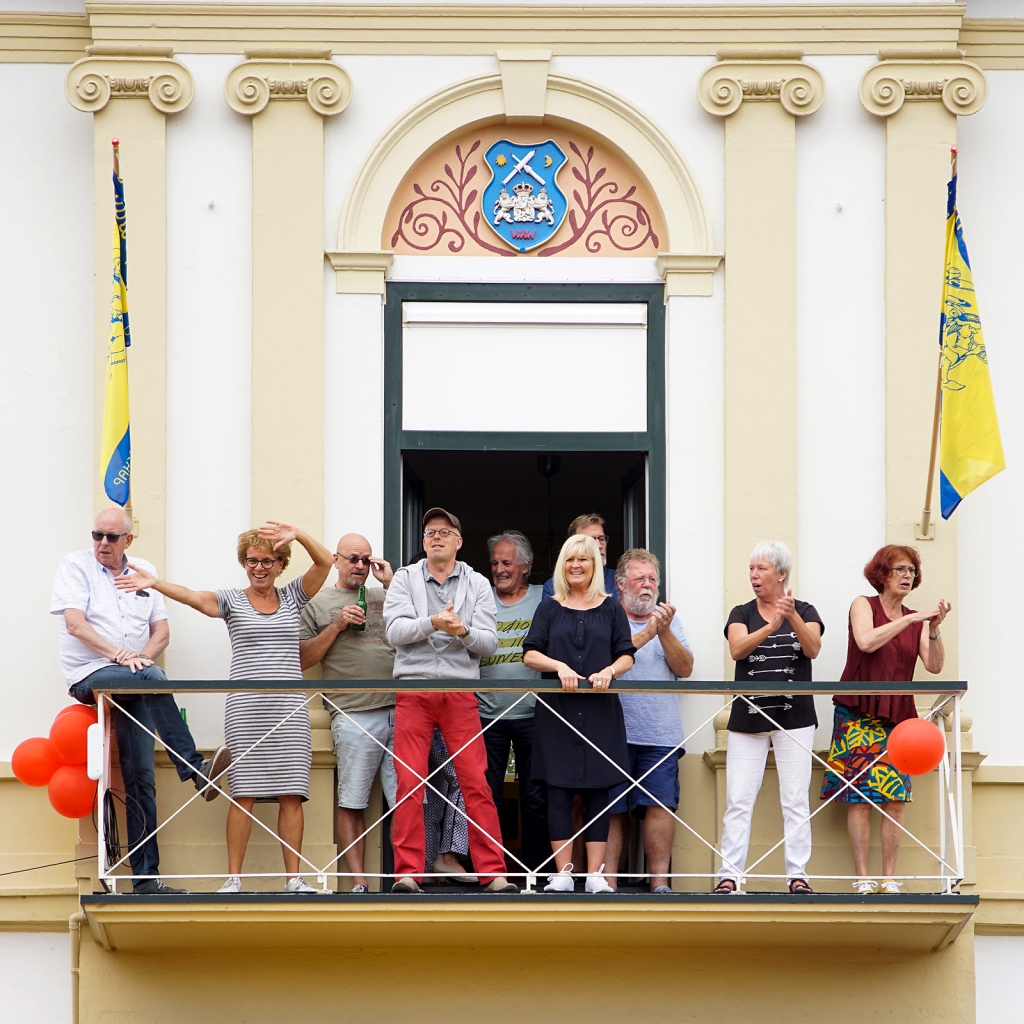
<point x="857" y="740"/>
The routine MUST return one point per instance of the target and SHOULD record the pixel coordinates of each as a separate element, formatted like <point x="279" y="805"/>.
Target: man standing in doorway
<point x="362" y="724"/>
<point x="508" y="717"/>
<point x="654" y="731"/>
<point x="440" y="617"/>
<point x="592" y="525"/>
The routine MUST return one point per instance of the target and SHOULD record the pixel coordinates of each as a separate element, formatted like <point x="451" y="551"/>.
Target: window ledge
<point x="275" y="920"/>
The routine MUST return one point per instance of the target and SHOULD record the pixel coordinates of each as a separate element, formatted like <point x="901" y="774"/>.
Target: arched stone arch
<point x="568" y="102"/>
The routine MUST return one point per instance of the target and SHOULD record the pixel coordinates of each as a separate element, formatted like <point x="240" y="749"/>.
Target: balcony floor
<point x="535" y="920"/>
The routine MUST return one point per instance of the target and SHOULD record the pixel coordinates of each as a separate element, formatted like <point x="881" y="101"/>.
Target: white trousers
<point x="744" y="771"/>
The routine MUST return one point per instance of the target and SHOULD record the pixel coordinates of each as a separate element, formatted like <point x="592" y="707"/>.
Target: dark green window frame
<point x="396" y="440"/>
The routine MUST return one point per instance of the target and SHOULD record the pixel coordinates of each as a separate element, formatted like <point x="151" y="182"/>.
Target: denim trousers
<point x="159" y="713"/>
<point x="517" y="733"/>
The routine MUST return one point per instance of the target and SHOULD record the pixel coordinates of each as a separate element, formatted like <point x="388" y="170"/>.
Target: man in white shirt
<point x="107" y="635"/>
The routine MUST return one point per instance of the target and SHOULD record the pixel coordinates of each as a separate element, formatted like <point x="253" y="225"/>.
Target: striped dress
<point x="266" y="647"/>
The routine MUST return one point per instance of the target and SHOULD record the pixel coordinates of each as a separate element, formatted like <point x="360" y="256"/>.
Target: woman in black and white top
<point x="268" y="733"/>
<point x="772" y="639"/>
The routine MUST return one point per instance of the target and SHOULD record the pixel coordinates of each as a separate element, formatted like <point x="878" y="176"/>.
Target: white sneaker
<point x="890" y="887"/>
<point x="562" y="882"/>
<point x="233" y="884"/>
<point x="865" y="886"/>
<point x="299" y="884"/>
<point x="597" y="883"/>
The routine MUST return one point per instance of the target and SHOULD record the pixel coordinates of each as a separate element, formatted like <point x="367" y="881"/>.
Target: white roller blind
<point x="524" y="366"/>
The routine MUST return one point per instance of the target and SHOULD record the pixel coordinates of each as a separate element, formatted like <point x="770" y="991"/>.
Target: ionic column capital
<point x="798" y="86"/>
<point x="958" y="84"/>
<point x="287" y="74"/>
<point x="95" y="80"/>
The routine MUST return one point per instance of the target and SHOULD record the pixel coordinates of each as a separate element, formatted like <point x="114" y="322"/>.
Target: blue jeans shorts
<point x="662" y="783"/>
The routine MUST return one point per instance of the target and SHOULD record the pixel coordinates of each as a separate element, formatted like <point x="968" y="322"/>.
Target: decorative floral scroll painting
<point x="523" y="191"/>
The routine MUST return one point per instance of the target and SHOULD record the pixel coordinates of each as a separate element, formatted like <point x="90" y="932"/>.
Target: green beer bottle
<point x="360" y="603"/>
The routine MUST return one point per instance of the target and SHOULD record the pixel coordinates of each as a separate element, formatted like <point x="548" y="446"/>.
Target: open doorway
<point x="537" y="493"/>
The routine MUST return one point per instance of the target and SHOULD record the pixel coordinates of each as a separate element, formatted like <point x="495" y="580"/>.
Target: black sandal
<point x="799" y="887"/>
<point x="725" y="887"/>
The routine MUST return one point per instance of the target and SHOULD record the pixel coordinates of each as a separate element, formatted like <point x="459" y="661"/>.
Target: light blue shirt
<point x="652" y="719"/>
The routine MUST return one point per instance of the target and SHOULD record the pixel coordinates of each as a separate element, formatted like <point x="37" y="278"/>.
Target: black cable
<point x="39" y="867"/>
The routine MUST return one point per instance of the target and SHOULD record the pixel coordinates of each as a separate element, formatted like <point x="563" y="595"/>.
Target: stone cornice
<point x="960" y="86"/>
<point x="288" y="74"/>
<point x="27" y="38"/>
<point x="799" y="87"/>
<point x="360" y="272"/>
<point x="688" y="273"/>
<point x="91" y="83"/>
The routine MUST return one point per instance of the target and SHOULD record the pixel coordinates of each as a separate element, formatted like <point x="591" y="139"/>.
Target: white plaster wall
<point x="209" y="372"/>
<point x="46" y="341"/>
<point x="840" y="233"/>
<point x="35" y="977"/>
<point x="998" y="979"/>
<point x="991" y="207"/>
<point x="694" y="574"/>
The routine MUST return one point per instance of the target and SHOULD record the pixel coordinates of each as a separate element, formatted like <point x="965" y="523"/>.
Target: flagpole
<point x="926" y="513"/>
<point x="116" y="146"/>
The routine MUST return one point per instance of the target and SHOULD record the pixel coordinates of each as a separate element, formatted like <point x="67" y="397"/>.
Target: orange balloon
<point x="79" y="709"/>
<point x="71" y="791"/>
<point x="69" y="736"/>
<point x="916" y="746"/>
<point x="34" y="761"/>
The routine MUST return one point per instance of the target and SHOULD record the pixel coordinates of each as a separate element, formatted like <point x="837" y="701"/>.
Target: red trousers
<point x="457" y="716"/>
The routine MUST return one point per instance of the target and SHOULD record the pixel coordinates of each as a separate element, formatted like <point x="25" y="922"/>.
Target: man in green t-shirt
<point x="516" y="601"/>
<point x="327" y="639"/>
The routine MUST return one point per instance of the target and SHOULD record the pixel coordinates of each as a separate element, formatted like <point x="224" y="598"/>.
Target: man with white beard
<point x="654" y="730"/>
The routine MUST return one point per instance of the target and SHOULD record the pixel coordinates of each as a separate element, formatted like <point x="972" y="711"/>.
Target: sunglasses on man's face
<point x="112" y="538"/>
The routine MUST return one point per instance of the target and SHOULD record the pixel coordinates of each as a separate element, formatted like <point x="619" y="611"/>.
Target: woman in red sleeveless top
<point x="886" y="639"/>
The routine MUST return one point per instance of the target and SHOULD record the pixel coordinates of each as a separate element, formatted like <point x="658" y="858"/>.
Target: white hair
<point x="524" y="550"/>
<point x="126" y="519"/>
<point x="777" y="553"/>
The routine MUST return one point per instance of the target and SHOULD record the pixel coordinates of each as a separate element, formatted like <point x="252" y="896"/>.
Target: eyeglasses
<point x="903" y="570"/>
<point x="112" y="538"/>
<point x="356" y="559"/>
<point x="653" y="580"/>
<point x="267" y="563"/>
<point x="443" y="533"/>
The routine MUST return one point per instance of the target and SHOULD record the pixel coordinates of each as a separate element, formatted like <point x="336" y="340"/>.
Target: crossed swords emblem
<point x="523" y="164"/>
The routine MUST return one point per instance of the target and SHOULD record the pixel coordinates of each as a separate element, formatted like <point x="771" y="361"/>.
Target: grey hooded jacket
<point x="408" y="625"/>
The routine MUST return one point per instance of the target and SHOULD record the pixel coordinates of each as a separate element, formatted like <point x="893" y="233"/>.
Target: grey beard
<point x="640" y="605"/>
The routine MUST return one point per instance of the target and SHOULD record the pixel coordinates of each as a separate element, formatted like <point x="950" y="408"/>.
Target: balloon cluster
<point x="58" y="762"/>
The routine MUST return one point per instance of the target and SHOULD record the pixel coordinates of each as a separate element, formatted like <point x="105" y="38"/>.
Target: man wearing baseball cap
<point x="441" y="619"/>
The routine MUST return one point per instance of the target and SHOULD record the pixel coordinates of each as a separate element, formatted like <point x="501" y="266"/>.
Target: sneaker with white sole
<point x="562" y="882"/>
<point x="213" y="768"/>
<point x="358" y="890"/>
<point x="233" y="884"/>
<point x="596" y="881"/>
<point x="299" y="884"/>
<point x="890" y="887"/>
<point x="865" y="886"/>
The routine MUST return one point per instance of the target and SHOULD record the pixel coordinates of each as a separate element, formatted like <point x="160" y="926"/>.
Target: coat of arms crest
<point x="523" y="203"/>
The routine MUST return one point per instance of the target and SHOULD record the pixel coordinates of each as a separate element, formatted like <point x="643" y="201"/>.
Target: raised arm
<point x="869" y="637"/>
<point x="808" y="633"/>
<point x="283" y="533"/>
<point x="204" y="601"/>
<point x="932" y="651"/>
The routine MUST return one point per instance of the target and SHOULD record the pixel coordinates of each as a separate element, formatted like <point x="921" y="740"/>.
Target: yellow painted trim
<point x="1000" y="913"/>
<point x="686" y="274"/>
<point x="360" y="272"/>
<point x="43" y="38"/>
<point x="995" y="44"/>
<point x="569" y="102"/>
<point x="615" y="29"/>
<point x="994" y="775"/>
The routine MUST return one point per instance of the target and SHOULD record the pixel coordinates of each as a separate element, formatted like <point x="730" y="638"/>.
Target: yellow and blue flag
<point x="116" y="445"/>
<point x="971" y="450"/>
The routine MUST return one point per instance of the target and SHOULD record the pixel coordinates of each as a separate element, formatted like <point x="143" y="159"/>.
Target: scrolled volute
<point x="960" y="86"/>
<point x="798" y="86"/>
<point x="324" y="85"/>
<point x="93" y="81"/>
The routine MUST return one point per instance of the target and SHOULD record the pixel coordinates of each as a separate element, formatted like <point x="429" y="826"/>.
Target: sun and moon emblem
<point x="521" y="206"/>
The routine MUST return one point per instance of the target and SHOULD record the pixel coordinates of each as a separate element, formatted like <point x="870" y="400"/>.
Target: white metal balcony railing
<point x="948" y="857"/>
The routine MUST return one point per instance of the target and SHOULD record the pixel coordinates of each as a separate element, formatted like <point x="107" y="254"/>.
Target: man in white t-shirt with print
<point x="654" y="730"/>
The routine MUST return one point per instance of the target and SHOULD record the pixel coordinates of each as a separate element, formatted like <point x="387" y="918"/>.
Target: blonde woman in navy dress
<point x="263" y="626"/>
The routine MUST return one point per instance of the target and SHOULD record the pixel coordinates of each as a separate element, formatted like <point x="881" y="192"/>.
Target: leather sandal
<point x="799" y="887"/>
<point x="725" y="887"/>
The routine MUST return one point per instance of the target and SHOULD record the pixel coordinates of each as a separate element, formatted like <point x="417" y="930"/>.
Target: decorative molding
<point x="688" y="274"/>
<point x="994" y="44"/>
<point x="524" y="84"/>
<point x="43" y="38"/>
<point x="251" y="85"/>
<point x="960" y="85"/>
<point x="360" y="272"/>
<point x="91" y="83"/>
<point x="565" y="28"/>
<point x="799" y="87"/>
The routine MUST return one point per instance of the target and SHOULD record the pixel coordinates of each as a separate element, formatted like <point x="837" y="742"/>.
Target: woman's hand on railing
<point x="569" y="679"/>
<point x="602" y="680"/>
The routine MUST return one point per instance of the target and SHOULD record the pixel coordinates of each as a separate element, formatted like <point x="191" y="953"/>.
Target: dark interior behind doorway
<point x="537" y="493"/>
